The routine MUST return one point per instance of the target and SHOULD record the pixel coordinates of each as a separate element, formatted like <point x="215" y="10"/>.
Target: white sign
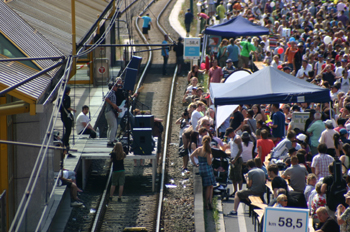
<point x="277" y="219"/>
<point x="192" y="48"/>
<point x="299" y="120"/>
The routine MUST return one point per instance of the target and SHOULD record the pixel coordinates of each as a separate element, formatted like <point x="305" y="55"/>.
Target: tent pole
<point x="330" y="111"/>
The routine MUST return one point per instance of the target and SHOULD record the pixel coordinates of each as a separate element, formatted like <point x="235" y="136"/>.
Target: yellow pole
<point x="4" y="159"/>
<point x="74" y="46"/>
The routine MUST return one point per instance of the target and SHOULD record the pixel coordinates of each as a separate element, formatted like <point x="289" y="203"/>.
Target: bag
<point x="149" y="26"/>
<point x="336" y="195"/>
<point x="217" y="17"/>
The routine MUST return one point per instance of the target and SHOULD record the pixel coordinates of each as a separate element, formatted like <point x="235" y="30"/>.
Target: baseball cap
<point x="301" y="137"/>
<point x="343" y="131"/>
<point x="328" y="122"/>
<point x="228" y="60"/>
<point x="344" y="60"/>
<point x="286" y="67"/>
<point x="245" y="135"/>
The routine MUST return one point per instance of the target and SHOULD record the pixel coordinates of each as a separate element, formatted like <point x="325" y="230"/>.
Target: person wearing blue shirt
<point x="233" y="52"/>
<point x="278" y="120"/>
<point x="146" y="26"/>
<point x="165" y="54"/>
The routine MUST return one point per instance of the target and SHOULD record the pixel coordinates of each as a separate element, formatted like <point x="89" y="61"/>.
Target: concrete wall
<point x="32" y="129"/>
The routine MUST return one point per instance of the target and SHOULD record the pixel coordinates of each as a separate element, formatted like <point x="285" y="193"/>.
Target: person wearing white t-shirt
<point x="84" y="121"/>
<point x="344" y="82"/>
<point x="276" y="62"/>
<point x="303" y="72"/>
<point x="339" y="70"/>
<point x="318" y="65"/>
<point x="196" y="115"/>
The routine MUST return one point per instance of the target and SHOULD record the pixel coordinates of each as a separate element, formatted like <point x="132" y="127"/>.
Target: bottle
<point x="98" y="132"/>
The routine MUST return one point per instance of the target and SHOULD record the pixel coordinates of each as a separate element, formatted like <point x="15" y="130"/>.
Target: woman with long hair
<point x="345" y="159"/>
<point x="338" y="145"/>
<point x="193" y="144"/>
<point x="194" y="72"/>
<point x="258" y="115"/>
<point x="222" y="53"/>
<point x="118" y="177"/>
<point x="204" y="156"/>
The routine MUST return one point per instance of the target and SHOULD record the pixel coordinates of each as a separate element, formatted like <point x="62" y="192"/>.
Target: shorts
<point x="118" y="178"/>
<point x="145" y="30"/>
<point x="66" y="183"/>
<point x="245" y="60"/>
<point x="236" y="170"/>
<point x="245" y="193"/>
<point x="179" y="60"/>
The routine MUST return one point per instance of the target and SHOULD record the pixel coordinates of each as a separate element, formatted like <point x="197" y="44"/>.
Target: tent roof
<point x="237" y="26"/>
<point x="268" y="85"/>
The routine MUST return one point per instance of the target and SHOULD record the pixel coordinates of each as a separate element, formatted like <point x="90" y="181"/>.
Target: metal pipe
<point x="34" y="145"/>
<point x="129" y="45"/>
<point x="147" y="50"/>
<point x="30" y="78"/>
<point x="54" y="58"/>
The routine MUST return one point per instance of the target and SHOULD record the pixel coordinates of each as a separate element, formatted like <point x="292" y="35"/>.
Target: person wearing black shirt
<point x="237" y="120"/>
<point x="188" y="21"/>
<point x="332" y="202"/>
<point x="298" y="57"/>
<point x="328" y="224"/>
<point x="328" y="74"/>
<point x="67" y="118"/>
<point x="277" y="182"/>
<point x="118" y="176"/>
<point x="179" y="50"/>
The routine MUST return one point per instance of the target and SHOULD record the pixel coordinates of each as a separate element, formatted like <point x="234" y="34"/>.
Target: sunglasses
<point x="284" y="200"/>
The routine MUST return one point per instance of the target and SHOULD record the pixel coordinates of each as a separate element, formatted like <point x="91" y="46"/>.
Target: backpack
<point x="336" y="197"/>
<point x="337" y="189"/>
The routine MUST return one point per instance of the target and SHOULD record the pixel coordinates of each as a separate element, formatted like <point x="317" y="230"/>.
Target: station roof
<point x="29" y="92"/>
<point x="52" y="18"/>
<point x="39" y="28"/>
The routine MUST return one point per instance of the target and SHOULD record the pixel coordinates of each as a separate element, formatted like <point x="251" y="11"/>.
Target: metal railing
<point x="3" y="217"/>
<point x="30" y="213"/>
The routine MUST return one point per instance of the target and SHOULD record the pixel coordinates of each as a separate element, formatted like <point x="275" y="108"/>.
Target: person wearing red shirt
<point x="264" y="145"/>
<point x="215" y="73"/>
<point x="328" y="62"/>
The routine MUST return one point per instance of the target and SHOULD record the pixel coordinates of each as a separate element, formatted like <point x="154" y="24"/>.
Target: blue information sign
<point x="192" y="48"/>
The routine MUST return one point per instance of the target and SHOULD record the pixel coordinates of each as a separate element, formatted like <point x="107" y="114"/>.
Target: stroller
<point x="220" y="166"/>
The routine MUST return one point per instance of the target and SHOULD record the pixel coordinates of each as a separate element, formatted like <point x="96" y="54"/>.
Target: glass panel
<point x="11" y="51"/>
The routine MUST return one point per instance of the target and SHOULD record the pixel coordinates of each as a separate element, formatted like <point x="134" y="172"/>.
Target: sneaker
<point x="70" y="156"/>
<point x="76" y="204"/>
<point x="119" y="199"/>
<point x="110" y="144"/>
<point x="232" y="213"/>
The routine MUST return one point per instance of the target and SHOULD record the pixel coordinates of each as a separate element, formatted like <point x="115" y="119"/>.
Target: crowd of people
<point x="309" y="40"/>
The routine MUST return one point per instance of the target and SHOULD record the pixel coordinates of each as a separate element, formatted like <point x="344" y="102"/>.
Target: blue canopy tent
<point x="265" y="86"/>
<point x="238" y="26"/>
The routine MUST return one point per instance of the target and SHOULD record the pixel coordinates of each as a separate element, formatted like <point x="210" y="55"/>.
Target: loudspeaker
<point x="143" y="143"/>
<point x="131" y="72"/>
<point x="144" y="121"/>
<point x="135" y="62"/>
<point x="130" y="78"/>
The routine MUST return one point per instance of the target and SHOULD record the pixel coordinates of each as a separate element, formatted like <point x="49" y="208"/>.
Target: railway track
<point x="158" y="95"/>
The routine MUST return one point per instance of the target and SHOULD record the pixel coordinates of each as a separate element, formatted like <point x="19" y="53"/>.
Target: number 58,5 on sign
<point x="286" y="220"/>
